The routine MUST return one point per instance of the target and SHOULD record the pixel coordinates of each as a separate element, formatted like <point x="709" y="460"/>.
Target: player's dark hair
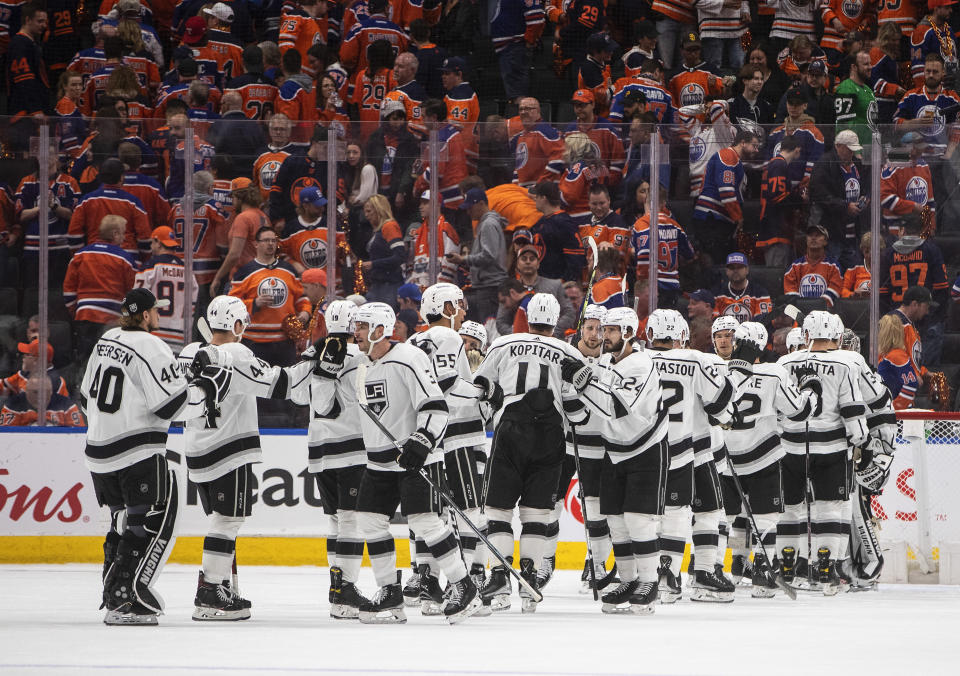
<point x="291" y="62"/>
<point x="261" y="231"/>
<point x="379" y="55"/>
<point x="511" y="284"/>
<point x="744" y="136"/>
<point x="933" y="56"/>
<point x="31" y="9"/>
<point x="113" y="47"/>
<point x="789" y="143"/>
<point x="435" y="108"/>
<point x="419" y="30"/>
<point x="651" y="66"/>
<point x="599" y="188"/>
<point x="541" y="327"/>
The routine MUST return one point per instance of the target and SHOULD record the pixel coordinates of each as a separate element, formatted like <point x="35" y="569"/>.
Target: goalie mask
<point x="822" y="325"/>
<point x="339" y="316"/>
<point x="436" y="297"/>
<point x="850" y="341"/>
<point x="544" y="309"/>
<point x="374" y="315"/>
<point x="224" y="312"/>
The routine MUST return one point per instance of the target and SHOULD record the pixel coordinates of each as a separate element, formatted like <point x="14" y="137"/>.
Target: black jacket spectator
<point x="563" y="256"/>
<point x="28" y="92"/>
<point x="407" y="151"/>
<point x="828" y="193"/>
<point x="242" y="139"/>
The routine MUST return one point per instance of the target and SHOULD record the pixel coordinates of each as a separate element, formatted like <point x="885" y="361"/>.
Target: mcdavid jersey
<point x="334" y="435"/>
<point x="234" y="438"/>
<point x="401" y="391"/>
<point x="762" y="396"/>
<point x="165" y="276"/>
<point x="520" y="362"/>
<point x="689" y="381"/>
<point x="590" y="435"/>
<point x="451" y="369"/>
<point x="842" y="421"/>
<point x="132" y="388"/>
<point x="628" y="399"/>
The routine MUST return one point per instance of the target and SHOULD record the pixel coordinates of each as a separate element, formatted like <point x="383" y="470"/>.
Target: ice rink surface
<point x="49" y="623"/>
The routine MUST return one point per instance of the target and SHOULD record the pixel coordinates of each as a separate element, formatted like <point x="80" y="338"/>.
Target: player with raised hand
<point x="336" y="456"/>
<point x="818" y="455"/>
<point x="399" y="388"/>
<point x="220" y="452"/>
<point x="131" y="390"/>
<point x="523" y="369"/>
<point x="442" y="306"/>
<point x="636" y="457"/>
<point x="765" y="394"/>
<point x="689" y="381"/>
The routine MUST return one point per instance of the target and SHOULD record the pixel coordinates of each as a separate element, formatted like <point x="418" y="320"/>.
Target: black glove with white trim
<point x="415" y="450"/>
<point x="576" y="373"/>
<point x="807" y="379"/>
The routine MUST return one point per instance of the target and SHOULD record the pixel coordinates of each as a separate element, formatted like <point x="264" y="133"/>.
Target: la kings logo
<point x="377" y="396"/>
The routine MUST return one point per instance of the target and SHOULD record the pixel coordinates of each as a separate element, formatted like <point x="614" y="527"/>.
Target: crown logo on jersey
<point x="377" y="396"/>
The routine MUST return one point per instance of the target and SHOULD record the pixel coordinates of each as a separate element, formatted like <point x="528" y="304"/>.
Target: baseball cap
<point x="737" y="258"/>
<point x="473" y="196"/>
<point x="583" y="96"/>
<point x="600" y="41"/>
<point x="391" y="106"/>
<point x="221" y="11"/>
<point x="411" y="291"/>
<point x="164" y="234"/>
<point x="521" y="235"/>
<point x="314" y="276"/>
<point x="849" y="138"/>
<point x="141" y="300"/>
<point x="633" y="97"/>
<point x="817" y="68"/>
<point x="312" y="196"/>
<point x="817" y="227"/>
<point x="33" y="349"/>
<point x="795" y="95"/>
<point x="194" y="30"/>
<point x="425" y="197"/>
<point x="911" y="137"/>
<point x="128" y="7"/>
<point x="703" y="296"/>
<point x="240" y="183"/>
<point x="919" y="294"/>
<point x="547" y="189"/>
<point x="454" y="64"/>
<point x="940" y="3"/>
<point x="690" y="38"/>
<point x="410" y="319"/>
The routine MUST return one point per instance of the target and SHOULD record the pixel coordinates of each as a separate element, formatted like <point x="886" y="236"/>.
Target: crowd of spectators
<point x="769" y="117"/>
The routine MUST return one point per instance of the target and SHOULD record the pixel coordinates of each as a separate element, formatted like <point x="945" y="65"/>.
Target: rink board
<point x="49" y="514"/>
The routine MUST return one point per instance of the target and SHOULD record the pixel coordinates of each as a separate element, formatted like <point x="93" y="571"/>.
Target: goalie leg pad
<point x="160" y="524"/>
<point x="864" y="546"/>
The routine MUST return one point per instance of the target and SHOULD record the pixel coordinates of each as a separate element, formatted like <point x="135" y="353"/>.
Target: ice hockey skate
<point x="670" y="585"/>
<point x="706" y="586"/>
<point x="216" y="602"/>
<point x="386" y="607"/>
<point x="464" y="601"/>
<point x="497" y="589"/>
<point x="528" y="604"/>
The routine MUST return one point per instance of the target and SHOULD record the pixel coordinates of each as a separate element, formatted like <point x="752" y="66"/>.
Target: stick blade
<point x="787" y="589"/>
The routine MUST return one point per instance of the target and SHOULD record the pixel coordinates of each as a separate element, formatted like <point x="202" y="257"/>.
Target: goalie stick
<point x="362" y="401"/>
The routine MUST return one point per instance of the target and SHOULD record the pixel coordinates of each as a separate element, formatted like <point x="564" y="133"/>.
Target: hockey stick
<point x="808" y="498"/>
<point x="787" y="589"/>
<point x="583" y="509"/>
<point x="589" y="294"/>
<point x="362" y="401"/>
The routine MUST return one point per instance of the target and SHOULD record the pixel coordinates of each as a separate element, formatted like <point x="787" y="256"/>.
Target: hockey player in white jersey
<point x="633" y="472"/>
<point x="764" y="393"/>
<point x="336" y="455"/>
<point x="442" y="306"/>
<point x="590" y="447"/>
<point x="688" y="381"/>
<point x="474" y="337"/>
<point x="220" y="451"/>
<point x="528" y="444"/>
<point x="795" y="340"/>
<point x="819" y="452"/>
<point x="400" y="389"/>
<point x="132" y="388"/>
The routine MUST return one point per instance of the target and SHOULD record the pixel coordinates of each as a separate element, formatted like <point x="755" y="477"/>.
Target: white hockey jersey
<point x="234" y="440"/>
<point x="165" y="276"/>
<point x="334" y="434"/>
<point x="690" y="381"/>
<point x="843" y="420"/>
<point x="628" y="397"/>
<point x="402" y="392"/>
<point x="793" y="18"/>
<point x="762" y="396"/>
<point x="445" y="349"/>
<point x="520" y="362"/>
<point x="881" y="417"/>
<point x="590" y="434"/>
<point x="716" y="440"/>
<point x="707" y="138"/>
<point x="132" y="388"/>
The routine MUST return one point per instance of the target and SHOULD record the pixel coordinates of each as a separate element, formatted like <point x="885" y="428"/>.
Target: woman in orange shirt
<point x="383" y="272"/>
<point x="856" y="280"/>
<point x="370" y="87"/>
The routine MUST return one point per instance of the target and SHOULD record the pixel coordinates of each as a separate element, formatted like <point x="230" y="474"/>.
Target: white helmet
<point x="474" y="330"/>
<point x="683" y="329"/>
<point x="339" y="316"/>
<point x="437" y="296"/>
<point x="850" y="341"/>
<point x="663" y="325"/>
<point x="622" y="317"/>
<point x="724" y="323"/>
<point x="755" y="332"/>
<point x="223" y="313"/>
<point x="822" y="325"/>
<point x="543" y="308"/>
<point x="795" y="339"/>
<point x="595" y="312"/>
<point x="377" y="314"/>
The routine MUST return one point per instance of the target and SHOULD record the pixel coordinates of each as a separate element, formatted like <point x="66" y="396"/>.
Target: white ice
<point x="49" y="623"/>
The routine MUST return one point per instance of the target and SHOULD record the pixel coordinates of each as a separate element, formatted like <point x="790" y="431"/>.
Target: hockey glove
<point x="415" y="451"/>
<point x="209" y="355"/>
<point x="744" y="355"/>
<point x="807" y="379"/>
<point x="491" y="393"/>
<point x="330" y="353"/>
<point x="576" y="373"/>
<point x="873" y="470"/>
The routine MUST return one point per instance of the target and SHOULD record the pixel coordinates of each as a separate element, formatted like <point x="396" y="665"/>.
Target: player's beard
<point x="609" y="346"/>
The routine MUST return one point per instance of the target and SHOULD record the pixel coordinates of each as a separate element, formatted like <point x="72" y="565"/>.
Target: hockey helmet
<point x="663" y="325"/>
<point x="754" y="332"/>
<point x="436" y="297"/>
<point x="597" y="312"/>
<point x="223" y="312"/>
<point x="339" y="316"/>
<point x="374" y="315"/>
<point x="795" y="339"/>
<point x="822" y="325"/>
<point x="474" y="330"/>
<point x="543" y="308"/>
<point x="624" y="318"/>
<point x="683" y="329"/>
<point x="724" y="323"/>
